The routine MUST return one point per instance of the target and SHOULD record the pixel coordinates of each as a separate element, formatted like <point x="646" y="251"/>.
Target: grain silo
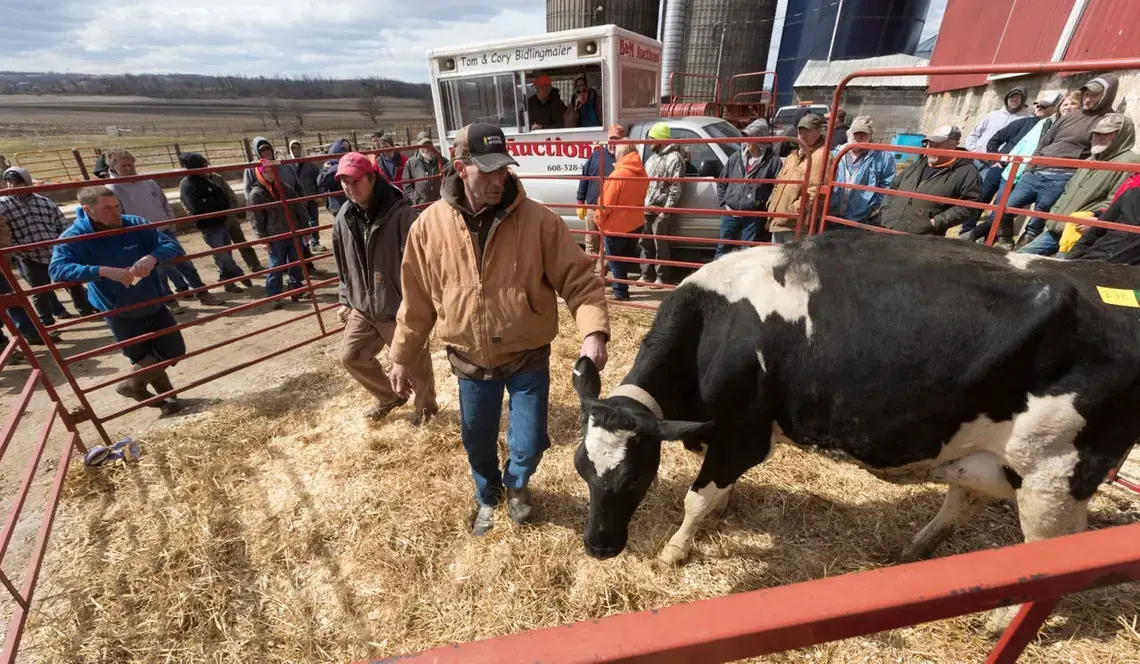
<point x="640" y="16"/>
<point x="717" y="38"/>
<point x="846" y="30"/>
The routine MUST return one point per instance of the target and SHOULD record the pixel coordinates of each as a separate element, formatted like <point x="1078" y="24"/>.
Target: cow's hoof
<point x="912" y="554"/>
<point x="999" y="619"/>
<point x="672" y="556"/>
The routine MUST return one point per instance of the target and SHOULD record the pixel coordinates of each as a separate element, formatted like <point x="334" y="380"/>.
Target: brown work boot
<point x="134" y="387"/>
<point x="424" y="416"/>
<point x="161" y="384"/>
<point x="207" y="298"/>
<point x="380" y="411"/>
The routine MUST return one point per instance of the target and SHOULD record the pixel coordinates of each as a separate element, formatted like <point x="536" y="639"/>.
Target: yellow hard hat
<point x="660" y="132"/>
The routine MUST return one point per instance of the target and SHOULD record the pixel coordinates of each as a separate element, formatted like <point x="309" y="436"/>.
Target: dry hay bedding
<point x="282" y="528"/>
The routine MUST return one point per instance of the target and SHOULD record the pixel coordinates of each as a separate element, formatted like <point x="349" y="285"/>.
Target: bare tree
<point x="370" y="106"/>
<point x="428" y="102"/>
<point x="271" y="107"/>
<point x="298" y="113"/>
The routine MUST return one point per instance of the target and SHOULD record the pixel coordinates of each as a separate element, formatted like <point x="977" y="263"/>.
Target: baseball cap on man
<point x="1109" y="123"/>
<point x="810" y="121"/>
<point x="483" y="145"/>
<point x="424" y="141"/>
<point x="944" y="133"/>
<point x="354" y="165"/>
<point x="1045" y="99"/>
<point x="616" y="132"/>
<point x="862" y="124"/>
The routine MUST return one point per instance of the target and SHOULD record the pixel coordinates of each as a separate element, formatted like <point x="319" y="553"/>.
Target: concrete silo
<point x="640" y="16"/>
<point x="714" y="39"/>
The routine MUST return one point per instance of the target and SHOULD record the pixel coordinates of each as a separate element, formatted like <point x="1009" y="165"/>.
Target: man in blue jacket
<point x="870" y="168"/>
<point x="119" y="271"/>
<point x="588" y="190"/>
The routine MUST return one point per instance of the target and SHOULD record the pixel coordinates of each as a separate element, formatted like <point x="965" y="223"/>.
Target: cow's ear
<point x="587" y="380"/>
<point x="681" y="430"/>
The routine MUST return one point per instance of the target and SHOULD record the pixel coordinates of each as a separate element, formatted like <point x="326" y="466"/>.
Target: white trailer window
<point x="639" y="89"/>
<point x="492" y="99"/>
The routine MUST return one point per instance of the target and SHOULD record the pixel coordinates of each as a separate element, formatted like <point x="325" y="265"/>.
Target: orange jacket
<point x="624" y="192"/>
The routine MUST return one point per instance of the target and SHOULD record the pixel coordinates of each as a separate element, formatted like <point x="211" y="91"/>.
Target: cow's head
<point x="618" y="456"/>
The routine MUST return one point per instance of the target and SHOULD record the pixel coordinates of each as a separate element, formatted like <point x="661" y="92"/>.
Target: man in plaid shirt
<point x="34" y="218"/>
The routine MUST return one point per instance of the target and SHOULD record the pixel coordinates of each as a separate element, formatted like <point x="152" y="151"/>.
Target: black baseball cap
<point x="484" y="145"/>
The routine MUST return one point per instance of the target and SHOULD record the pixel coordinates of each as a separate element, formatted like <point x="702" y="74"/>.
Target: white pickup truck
<point x="613" y="73"/>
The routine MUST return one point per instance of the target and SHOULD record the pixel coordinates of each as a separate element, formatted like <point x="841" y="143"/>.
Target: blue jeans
<point x="165" y="347"/>
<point x="622" y="246"/>
<point x="783" y="237"/>
<point x="737" y="228"/>
<point x="219" y="236"/>
<point x="280" y="253"/>
<point x="481" y="407"/>
<point x="314" y="239"/>
<point x="19" y="315"/>
<point x="183" y="275"/>
<point x="1042" y="191"/>
<point x="1045" y="244"/>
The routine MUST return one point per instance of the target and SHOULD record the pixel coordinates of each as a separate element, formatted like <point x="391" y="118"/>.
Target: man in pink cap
<point x="368" y="244"/>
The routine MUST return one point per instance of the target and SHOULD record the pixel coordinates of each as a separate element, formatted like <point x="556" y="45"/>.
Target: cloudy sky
<point x="336" y="38"/>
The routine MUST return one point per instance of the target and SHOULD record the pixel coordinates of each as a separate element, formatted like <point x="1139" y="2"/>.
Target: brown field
<point x="277" y="526"/>
<point x="45" y="122"/>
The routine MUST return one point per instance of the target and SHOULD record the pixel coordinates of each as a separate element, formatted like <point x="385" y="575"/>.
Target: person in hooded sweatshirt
<point x="205" y="194"/>
<point x="623" y="192"/>
<point x="305" y="176"/>
<point x="271" y="221"/>
<point x="1111" y="245"/>
<point x="120" y="271"/>
<point x="147" y="200"/>
<point x="754" y="161"/>
<point x="1013" y="107"/>
<point x="1070" y="137"/>
<point x="1019" y="138"/>
<point x="369" y="237"/>
<point x="1091" y="189"/>
<point x="327" y="183"/>
<point x="390" y="164"/>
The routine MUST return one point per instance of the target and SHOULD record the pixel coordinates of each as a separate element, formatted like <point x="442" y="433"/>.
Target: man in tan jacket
<point x="484" y="267"/>
<point x="786" y="197"/>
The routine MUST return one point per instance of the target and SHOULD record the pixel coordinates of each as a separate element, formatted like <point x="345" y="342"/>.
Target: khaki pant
<point x="362" y="341"/>
<point x="594" y="242"/>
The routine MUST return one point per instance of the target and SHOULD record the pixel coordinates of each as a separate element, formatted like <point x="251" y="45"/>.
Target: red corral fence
<point x="1034" y="575"/>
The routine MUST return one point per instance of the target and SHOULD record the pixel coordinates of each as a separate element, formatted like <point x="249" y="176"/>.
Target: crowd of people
<point x="457" y="248"/>
<point x="1078" y="125"/>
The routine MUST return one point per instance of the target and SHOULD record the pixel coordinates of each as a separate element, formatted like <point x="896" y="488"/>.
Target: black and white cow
<point x="923" y="360"/>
